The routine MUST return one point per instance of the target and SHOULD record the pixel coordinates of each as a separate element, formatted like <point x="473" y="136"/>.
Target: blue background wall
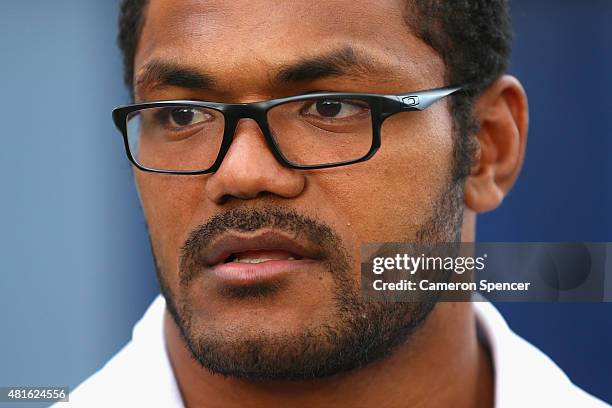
<point x="563" y="56"/>
<point x="76" y="269"/>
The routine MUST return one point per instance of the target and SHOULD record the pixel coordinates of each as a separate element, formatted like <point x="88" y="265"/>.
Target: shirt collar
<point x="522" y="372"/>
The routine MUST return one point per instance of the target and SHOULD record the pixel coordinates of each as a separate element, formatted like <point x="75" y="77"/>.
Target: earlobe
<point x="502" y="113"/>
<point x="482" y="194"/>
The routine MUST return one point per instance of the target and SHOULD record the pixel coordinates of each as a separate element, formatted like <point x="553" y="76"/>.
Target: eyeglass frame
<point x="381" y="106"/>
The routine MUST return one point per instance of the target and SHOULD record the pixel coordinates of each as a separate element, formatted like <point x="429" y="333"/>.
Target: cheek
<point x="169" y="204"/>
<point x="390" y="196"/>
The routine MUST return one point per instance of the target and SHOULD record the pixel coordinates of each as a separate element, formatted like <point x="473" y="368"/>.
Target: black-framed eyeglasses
<point x="312" y="131"/>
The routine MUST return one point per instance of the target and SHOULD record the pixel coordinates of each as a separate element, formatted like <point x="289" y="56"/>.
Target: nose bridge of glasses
<point x="250" y="132"/>
<point x="235" y="113"/>
<point x="253" y="110"/>
<point x="237" y="118"/>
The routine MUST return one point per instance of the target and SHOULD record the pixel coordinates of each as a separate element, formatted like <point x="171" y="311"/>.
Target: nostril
<point x="242" y="196"/>
<point x="223" y="199"/>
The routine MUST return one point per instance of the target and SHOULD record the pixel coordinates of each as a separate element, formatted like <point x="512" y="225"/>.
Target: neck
<point x="442" y="365"/>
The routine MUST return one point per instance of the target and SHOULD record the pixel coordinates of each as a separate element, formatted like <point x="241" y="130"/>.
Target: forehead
<point x="246" y="38"/>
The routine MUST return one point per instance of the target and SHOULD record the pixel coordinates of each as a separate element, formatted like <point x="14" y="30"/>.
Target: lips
<point x="264" y="247"/>
<point x="245" y="260"/>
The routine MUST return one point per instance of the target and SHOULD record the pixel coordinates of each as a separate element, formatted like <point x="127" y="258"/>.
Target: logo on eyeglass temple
<point x="410" y="100"/>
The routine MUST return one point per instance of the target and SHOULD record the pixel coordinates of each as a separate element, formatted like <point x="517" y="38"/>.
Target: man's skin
<point x="242" y="46"/>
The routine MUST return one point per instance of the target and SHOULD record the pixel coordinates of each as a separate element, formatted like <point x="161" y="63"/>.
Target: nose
<point x="249" y="169"/>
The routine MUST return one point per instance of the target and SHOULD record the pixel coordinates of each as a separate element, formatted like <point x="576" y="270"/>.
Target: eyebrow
<point x="158" y="74"/>
<point x="342" y="61"/>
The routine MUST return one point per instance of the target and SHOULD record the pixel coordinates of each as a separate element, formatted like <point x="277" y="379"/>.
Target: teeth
<point x="251" y="260"/>
<point x="259" y="260"/>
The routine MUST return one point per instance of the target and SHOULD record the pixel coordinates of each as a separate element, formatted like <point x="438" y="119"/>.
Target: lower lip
<point x="239" y="273"/>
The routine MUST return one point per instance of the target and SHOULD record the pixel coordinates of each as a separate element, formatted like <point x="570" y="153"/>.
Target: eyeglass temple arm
<point x="424" y="99"/>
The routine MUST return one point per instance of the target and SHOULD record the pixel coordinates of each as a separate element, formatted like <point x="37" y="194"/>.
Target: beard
<point x="358" y="333"/>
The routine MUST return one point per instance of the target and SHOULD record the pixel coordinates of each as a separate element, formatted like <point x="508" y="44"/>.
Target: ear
<point x="503" y="115"/>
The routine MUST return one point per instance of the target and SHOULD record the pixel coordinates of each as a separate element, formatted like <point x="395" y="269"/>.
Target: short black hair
<point x="131" y="18"/>
<point x="473" y="37"/>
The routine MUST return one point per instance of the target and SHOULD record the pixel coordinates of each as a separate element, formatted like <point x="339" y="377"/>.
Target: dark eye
<point x="329" y="108"/>
<point x="187" y="116"/>
<point x="335" y="109"/>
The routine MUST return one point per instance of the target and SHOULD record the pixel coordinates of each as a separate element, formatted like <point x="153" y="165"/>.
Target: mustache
<point x="302" y="227"/>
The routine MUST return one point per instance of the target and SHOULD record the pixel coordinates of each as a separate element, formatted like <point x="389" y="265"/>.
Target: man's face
<point x="297" y="314"/>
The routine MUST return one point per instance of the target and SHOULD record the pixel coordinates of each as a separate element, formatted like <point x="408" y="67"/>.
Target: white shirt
<point x="141" y="374"/>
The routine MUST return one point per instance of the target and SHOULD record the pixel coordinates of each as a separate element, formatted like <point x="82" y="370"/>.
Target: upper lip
<point x="231" y="243"/>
